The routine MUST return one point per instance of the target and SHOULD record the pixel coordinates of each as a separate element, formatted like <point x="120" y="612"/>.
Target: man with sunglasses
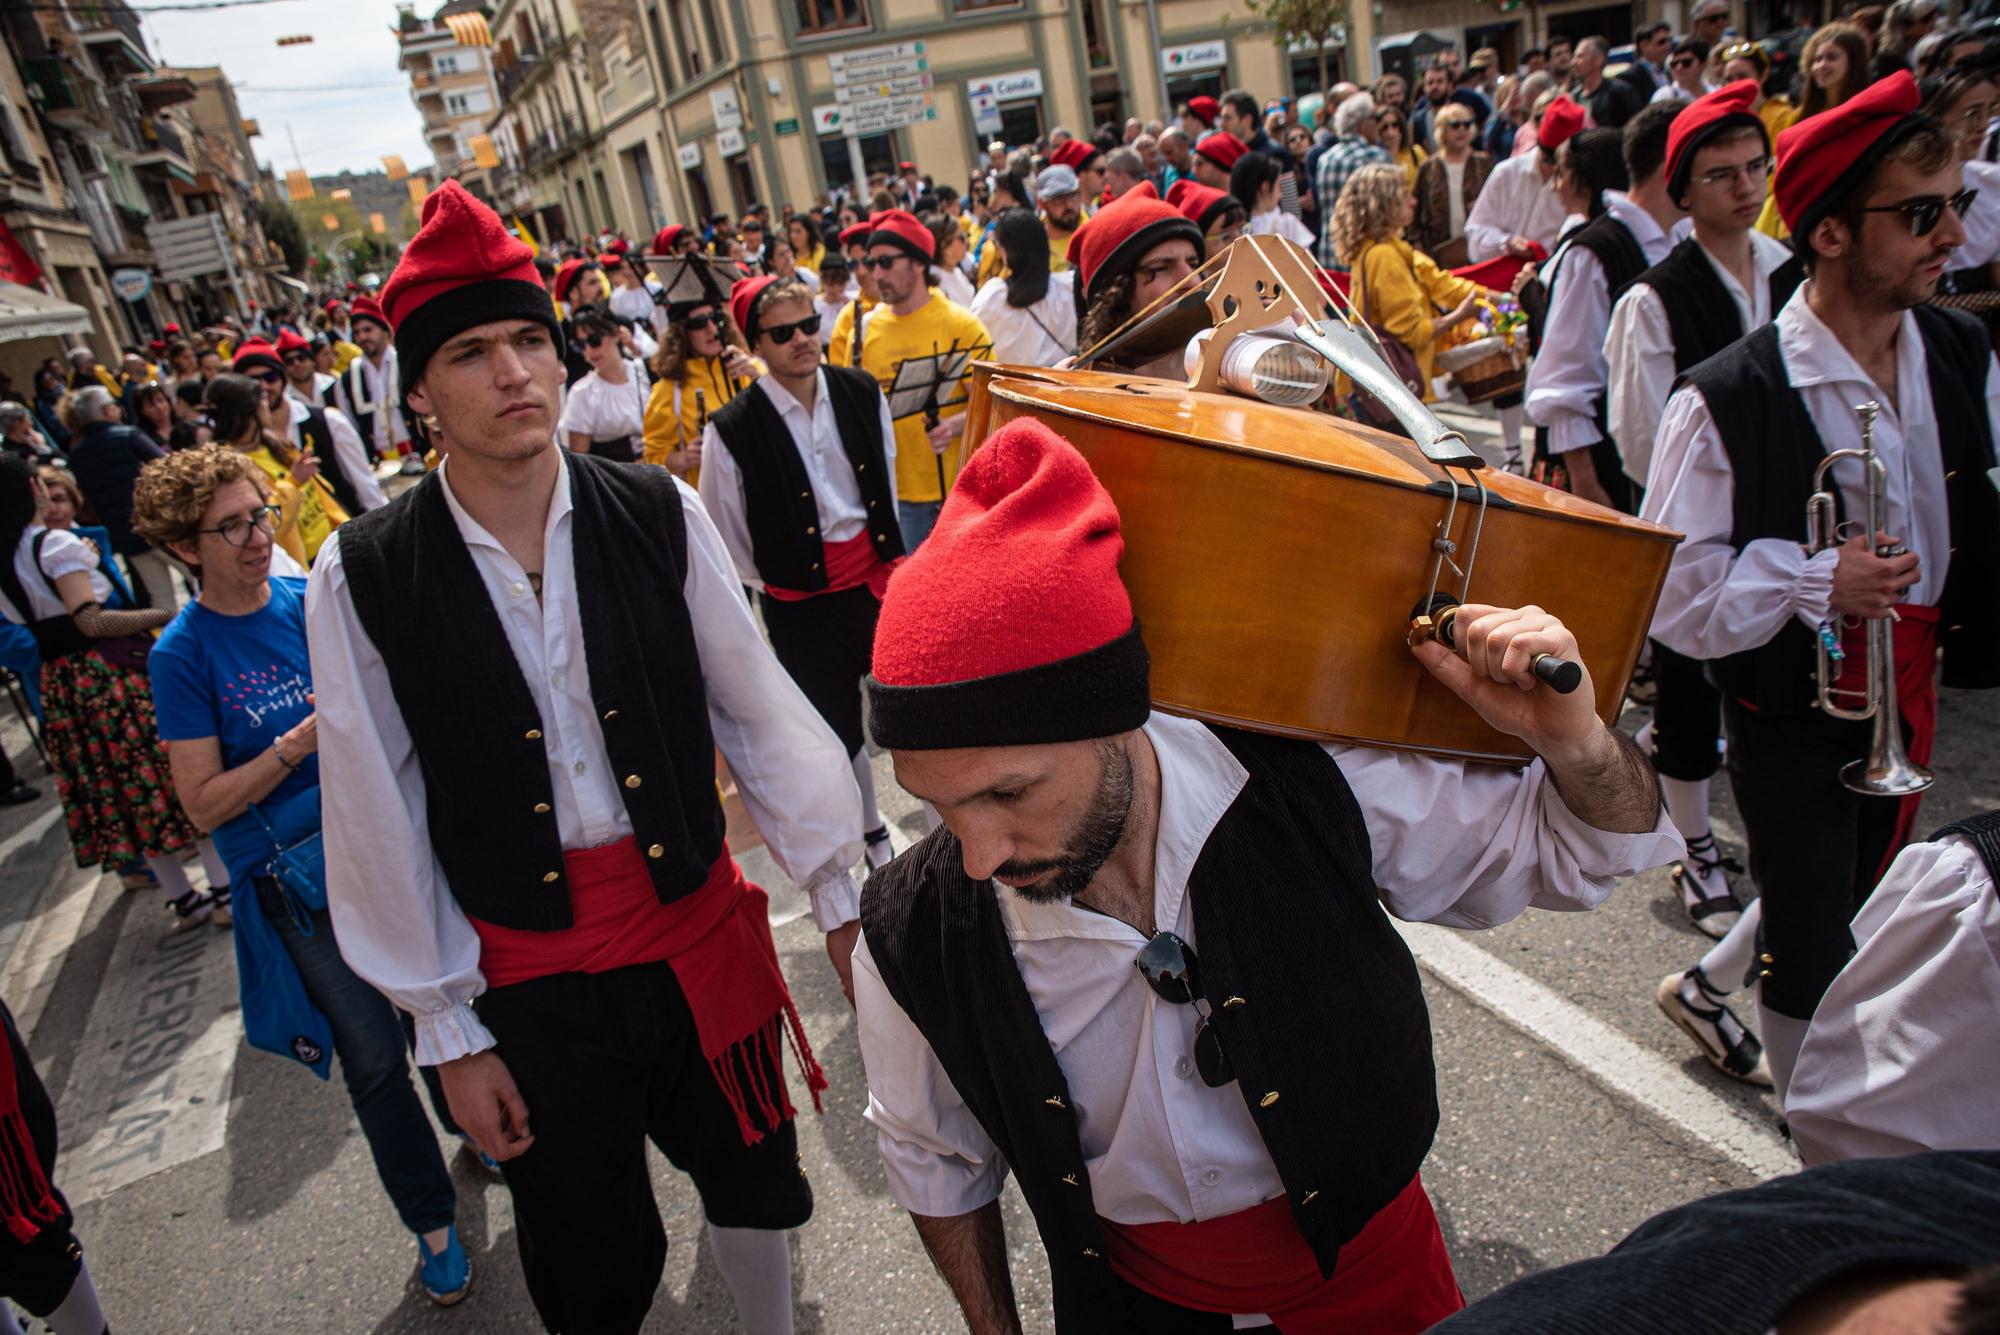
<point x="525" y="849"/>
<point x="1206" y="1143"/>
<point x="304" y="380"/>
<point x="801" y="483"/>
<point x="323" y="433"/>
<point x="1871" y="193"/>
<point x="1717" y="285"/>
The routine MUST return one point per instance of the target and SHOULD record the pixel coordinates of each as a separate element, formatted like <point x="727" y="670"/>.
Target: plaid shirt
<point x="1349" y="154"/>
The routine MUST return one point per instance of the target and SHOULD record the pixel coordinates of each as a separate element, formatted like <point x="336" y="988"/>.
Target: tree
<point x="282" y="226"/>
<point x="1315" y="21"/>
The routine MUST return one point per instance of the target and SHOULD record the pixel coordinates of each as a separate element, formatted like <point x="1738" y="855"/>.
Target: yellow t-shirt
<point x="1059" y="244"/>
<point x="344" y="354"/>
<point x="890" y="339"/>
<point x="307" y="514"/>
<point x="703" y="388"/>
<point x="840" y="345"/>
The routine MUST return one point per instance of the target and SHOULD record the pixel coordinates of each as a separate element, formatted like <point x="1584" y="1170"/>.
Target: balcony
<point x="162" y="147"/>
<point x="51" y="88"/>
<point x="554" y="144"/>
<point x="162" y="91"/>
<point x="117" y="42"/>
<point x="515" y="79"/>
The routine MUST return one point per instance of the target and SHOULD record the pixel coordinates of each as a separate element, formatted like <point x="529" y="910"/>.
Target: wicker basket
<point x="1485" y="368"/>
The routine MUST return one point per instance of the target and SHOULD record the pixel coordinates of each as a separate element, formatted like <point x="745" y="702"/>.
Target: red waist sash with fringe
<point x="849" y="565"/>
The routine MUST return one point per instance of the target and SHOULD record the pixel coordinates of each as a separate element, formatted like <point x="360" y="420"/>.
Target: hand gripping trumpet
<point x="1887" y="771"/>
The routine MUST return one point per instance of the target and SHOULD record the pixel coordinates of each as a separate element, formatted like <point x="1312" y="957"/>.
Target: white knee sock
<point x="1511" y="421"/>
<point x="211" y="863"/>
<point x="1687" y="805"/>
<point x="1783" y="1036"/>
<point x="173" y="880"/>
<point x="864" y="775"/>
<point x="1728" y="960"/>
<point x="79" y="1313"/>
<point x="756" y="1263"/>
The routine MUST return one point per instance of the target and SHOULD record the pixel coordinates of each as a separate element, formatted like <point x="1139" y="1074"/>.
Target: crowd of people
<point x="459" y="803"/>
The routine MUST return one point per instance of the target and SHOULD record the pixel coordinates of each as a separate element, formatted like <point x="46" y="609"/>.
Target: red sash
<point x="1915" y="636"/>
<point x="27" y="1203"/>
<point x="1392" y="1277"/>
<point x="718" y="941"/>
<point x="848" y="564"/>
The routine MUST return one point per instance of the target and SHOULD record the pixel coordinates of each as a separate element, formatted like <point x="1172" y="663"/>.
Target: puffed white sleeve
<point x="1568" y="373"/>
<point x="795" y="777"/>
<point x="395" y="918"/>
<point x="1475" y="845"/>
<point x="1639" y="363"/>
<point x="1891" y="1064"/>
<point x="1486" y="231"/>
<point x="354" y="465"/>
<point x="937" y="1158"/>
<point x="1717" y="600"/>
<point x="721" y="493"/>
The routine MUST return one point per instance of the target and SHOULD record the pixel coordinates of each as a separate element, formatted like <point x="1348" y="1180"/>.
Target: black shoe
<point x="19" y="795"/>
<point x="878" y="852"/>
<point x="1729" y="1047"/>
<point x="1712" y="915"/>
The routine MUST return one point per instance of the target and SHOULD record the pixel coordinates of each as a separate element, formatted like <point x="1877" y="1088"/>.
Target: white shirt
<point x="1463" y="845"/>
<point x="1454" y="197"/>
<point x="952" y="285"/>
<point x="603" y="411"/>
<point x="1901" y="1055"/>
<point x="399" y="926"/>
<point x="828" y="305"/>
<point x="1982" y="220"/>
<point x="381" y="395"/>
<point x="316" y="397"/>
<point x="1280" y="223"/>
<point x="843" y="513"/>
<point x="347" y="450"/>
<point x="1718" y="601"/>
<point x="1673" y="92"/>
<point x="1639" y="349"/>
<point x="1515" y="201"/>
<point x="1038" y="335"/>
<point x="1569" y="373"/>
<point x="63" y="553"/>
<point x="637" y="305"/>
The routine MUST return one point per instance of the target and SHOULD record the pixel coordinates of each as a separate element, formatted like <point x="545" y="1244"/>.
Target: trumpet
<point x="1887" y="771"/>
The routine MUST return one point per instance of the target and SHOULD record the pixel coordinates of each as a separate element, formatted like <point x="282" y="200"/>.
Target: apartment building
<point x="452" y="85"/>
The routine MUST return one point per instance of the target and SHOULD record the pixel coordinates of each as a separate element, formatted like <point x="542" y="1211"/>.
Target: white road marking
<point x="1600" y="1052"/>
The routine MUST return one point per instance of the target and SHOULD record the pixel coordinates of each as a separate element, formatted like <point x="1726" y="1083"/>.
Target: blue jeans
<point x="915" y="519"/>
<point x="372" y="1040"/>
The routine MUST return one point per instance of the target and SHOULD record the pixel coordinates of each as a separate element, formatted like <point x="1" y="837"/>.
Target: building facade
<point x="452" y="85"/>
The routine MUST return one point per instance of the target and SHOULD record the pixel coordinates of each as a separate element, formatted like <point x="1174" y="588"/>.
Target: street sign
<point x="131" y="284"/>
<point x="1195" y="56"/>
<point x="728" y="111"/>
<point x="787" y="126"/>
<point x="889" y="113"/>
<point x="729" y="142"/>
<point x="1009" y="87"/>
<point x="690" y="155"/>
<point x="189" y="247"/>
<point x="877" y="62"/>
<point x="828" y="120"/>
<point x="985" y="112"/>
<point x="900" y="86"/>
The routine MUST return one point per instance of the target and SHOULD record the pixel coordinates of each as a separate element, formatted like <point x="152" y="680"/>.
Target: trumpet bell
<point x="1893" y="775"/>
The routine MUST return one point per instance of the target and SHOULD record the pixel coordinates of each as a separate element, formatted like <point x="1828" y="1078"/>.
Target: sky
<point x="341" y="95"/>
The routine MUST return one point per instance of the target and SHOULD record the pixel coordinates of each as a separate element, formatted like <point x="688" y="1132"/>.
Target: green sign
<point x="787" y="127"/>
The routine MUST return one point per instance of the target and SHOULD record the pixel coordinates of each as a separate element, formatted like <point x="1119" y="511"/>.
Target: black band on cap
<point x="427" y="328"/>
<point x="1098" y="693"/>
<point x="1127" y="253"/>
<point x="901" y="242"/>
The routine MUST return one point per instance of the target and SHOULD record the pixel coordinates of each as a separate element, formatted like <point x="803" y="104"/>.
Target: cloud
<point x="341" y="95"/>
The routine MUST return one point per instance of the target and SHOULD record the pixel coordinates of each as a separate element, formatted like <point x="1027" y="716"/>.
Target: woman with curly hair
<point x="1396" y="287"/>
<point x="244" y="420"/>
<point x="702" y="364"/>
<point x="97" y="705"/>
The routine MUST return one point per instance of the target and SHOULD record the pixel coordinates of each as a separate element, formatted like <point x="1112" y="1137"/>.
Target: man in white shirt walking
<point x="370" y="392"/>
<point x="1518" y="209"/>
<point x="1027" y="987"/>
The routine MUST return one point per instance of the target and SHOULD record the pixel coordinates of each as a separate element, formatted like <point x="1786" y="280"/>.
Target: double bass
<point x="1280" y="559"/>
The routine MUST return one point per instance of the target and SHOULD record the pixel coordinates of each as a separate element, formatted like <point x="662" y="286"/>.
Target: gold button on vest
<point x="633" y="781"/>
<point x="533" y="735"/>
<point x="656" y="851"/>
<point x="551" y="878"/>
<point x="541" y="808"/>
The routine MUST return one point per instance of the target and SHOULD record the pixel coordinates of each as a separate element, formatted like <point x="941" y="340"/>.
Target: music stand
<point x="701" y="278"/>
<point x="923" y="384"/>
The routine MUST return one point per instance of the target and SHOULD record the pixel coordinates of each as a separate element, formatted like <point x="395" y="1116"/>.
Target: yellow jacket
<point x="1401" y="289"/>
<point x="343" y="354"/>
<point x="890" y="340"/>
<point x="1411" y="158"/>
<point x="677" y="410"/>
<point x="307" y="514"/>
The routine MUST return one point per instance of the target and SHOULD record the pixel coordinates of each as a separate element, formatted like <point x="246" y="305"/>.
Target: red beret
<point x="157" y="346"/>
<point x="1816" y="155"/>
<point x="1010" y="625"/>
<point x="462" y="269"/>
<point x="743" y="298"/>
<point x="1120" y="234"/>
<point x="367" y="308"/>
<point x="289" y="342"/>
<point x="1561" y="119"/>
<point x="566" y="275"/>
<point x="1221" y="149"/>
<point x="856" y="235"/>
<point x="1205" y="107"/>
<point x="619" y="247"/>
<point x="333" y="306"/>
<point x="900" y="228"/>
<point x="1727" y="108"/>
<point x="1199" y="204"/>
<point x="1074" y="154"/>
<point x="172" y="329"/>
<point x="906" y="166"/>
<point x="667" y="239"/>
<point x="256" y="353"/>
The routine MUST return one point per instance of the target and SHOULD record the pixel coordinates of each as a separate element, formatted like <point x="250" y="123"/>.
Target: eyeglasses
<point x="268" y="377"/>
<point x="1169" y="967"/>
<point x="1456" y="124"/>
<point x="782" y="333"/>
<point x="298" y="356"/>
<point x="1753" y="171"/>
<point x="700" y="321"/>
<point x="880" y="263"/>
<point x="595" y="340"/>
<point x="1923" y="214"/>
<point x="1681" y="62"/>
<point x="236" y="529"/>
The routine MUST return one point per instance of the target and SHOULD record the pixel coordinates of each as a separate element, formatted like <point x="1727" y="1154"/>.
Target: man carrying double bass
<point x="1871" y="192"/>
<point x="1027" y="985"/>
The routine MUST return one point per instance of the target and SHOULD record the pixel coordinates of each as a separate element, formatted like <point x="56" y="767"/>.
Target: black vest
<point x="1701" y="315"/>
<point x="779" y="506"/>
<point x="1773" y="451"/>
<point x="1983" y="833"/>
<point x="1619" y="254"/>
<point x="474" y="723"/>
<point x="316" y="434"/>
<point x="1315" y="994"/>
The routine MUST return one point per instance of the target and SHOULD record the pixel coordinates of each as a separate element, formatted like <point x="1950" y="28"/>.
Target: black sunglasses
<point x="700" y="321"/>
<point x="881" y="262"/>
<point x="1169" y="967"/>
<point x="1923" y="214"/>
<point x="782" y="333"/>
<point x="595" y="340"/>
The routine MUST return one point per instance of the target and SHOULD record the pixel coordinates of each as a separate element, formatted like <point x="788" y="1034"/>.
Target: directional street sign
<point x="882" y="87"/>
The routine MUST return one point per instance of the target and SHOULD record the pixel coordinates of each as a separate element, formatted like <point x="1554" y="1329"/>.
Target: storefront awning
<point x="27" y="312"/>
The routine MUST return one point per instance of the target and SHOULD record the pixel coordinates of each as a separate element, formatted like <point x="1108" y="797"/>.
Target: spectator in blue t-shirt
<point x="232" y="687"/>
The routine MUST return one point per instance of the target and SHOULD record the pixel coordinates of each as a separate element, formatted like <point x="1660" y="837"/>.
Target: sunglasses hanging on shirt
<point x="1169" y="967"/>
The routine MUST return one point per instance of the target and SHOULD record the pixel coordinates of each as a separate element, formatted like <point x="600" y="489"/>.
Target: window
<point x="445" y="64"/>
<point x="457" y="104"/>
<point x="742" y="181"/>
<point x="717" y="51"/>
<point x="975" y="6"/>
<point x="659" y="37"/>
<point x="819" y="16"/>
<point x="683" y="26"/>
<point x="1021" y="122"/>
<point x="878" y="154"/>
<point x="1093" y="37"/>
<point x="704" y="203"/>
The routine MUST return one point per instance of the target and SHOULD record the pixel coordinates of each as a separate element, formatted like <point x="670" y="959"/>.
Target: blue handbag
<point x="299" y="868"/>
